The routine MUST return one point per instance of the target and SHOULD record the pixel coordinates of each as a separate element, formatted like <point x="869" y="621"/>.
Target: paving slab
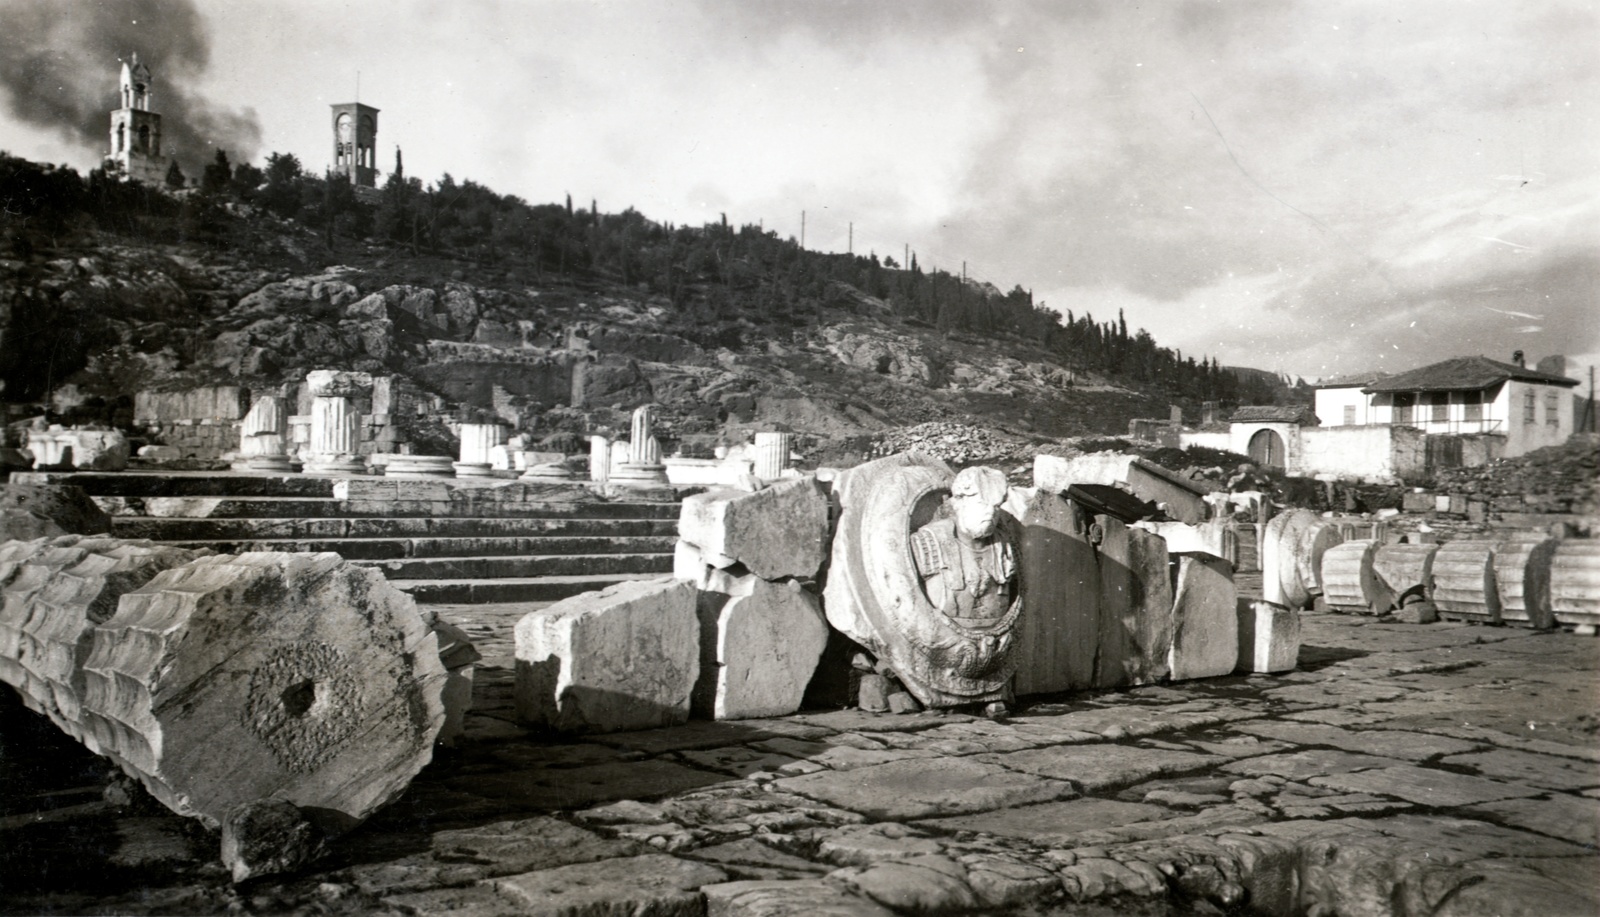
<point x="926" y="788"/>
<point x="1575" y="819"/>
<point x="1424" y="786"/>
<point x="1096" y="767"/>
<point x="653" y="884"/>
<point x="1525" y="767"/>
<point x="1056" y="823"/>
<point x="1408" y="746"/>
<point x="1300" y="765"/>
<point x="564" y="788"/>
<point x="796" y="898"/>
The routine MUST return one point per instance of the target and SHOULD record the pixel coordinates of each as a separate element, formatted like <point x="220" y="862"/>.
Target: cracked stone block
<point x="267" y="675"/>
<point x="1205" y="634"/>
<point x="29" y="511"/>
<point x="930" y="884"/>
<point x="787" y="898"/>
<point x="767" y="646"/>
<point x="1136" y="617"/>
<point x="776" y="532"/>
<point x="1404" y="569"/>
<point x="1269" y="637"/>
<point x="651" y="884"/>
<point x="1060" y="598"/>
<point x="623" y="658"/>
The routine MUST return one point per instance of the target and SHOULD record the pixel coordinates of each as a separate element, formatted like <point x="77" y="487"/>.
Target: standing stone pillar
<point x="599" y="459"/>
<point x="643" y="468"/>
<point x="336" y="421"/>
<point x="772" y="454"/>
<point x="476" y="441"/>
<point x="263" y="438"/>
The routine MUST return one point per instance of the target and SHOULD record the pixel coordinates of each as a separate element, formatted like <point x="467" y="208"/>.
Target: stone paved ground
<point x="1441" y="769"/>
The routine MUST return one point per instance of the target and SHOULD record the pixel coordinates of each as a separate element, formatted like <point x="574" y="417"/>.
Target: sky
<point x="1316" y="188"/>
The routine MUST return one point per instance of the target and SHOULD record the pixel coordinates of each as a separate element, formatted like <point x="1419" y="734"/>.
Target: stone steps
<point x="492" y="567"/>
<point x="468" y="547"/>
<point x="442" y="541"/>
<point x="467" y="591"/>
<point x="171" y="528"/>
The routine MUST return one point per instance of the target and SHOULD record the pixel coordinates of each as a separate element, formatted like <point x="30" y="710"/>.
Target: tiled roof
<point x="1351" y="380"/>
<point x="1463" y="374"/>
<point x="1273" y="413"/>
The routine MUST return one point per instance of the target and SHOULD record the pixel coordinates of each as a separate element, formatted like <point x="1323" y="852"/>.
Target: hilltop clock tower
<point x="136" y="130"/>
<point x="355" y="143"/>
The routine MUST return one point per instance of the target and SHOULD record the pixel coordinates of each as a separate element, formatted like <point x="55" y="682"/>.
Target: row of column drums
<point x="1525" y="579"/>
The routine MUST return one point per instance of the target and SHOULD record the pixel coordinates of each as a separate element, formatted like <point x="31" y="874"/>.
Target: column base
<point x="631" y="475"/>
<point x="419" y="467"/>
<point x="264" y="464"/>
<point x="473" y="469"/>
<point x="334" y="464"/>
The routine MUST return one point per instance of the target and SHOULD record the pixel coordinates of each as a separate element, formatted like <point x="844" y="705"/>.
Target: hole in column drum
<point x="299" y="697"/>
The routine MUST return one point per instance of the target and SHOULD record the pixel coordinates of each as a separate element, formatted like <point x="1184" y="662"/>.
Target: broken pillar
<point x="1349" y="582"/>
<point x="1314" y="542"/>
<point x="1405" y="572"/>
<point x="1205" y="618"/>
<point x="55" y="622"/>
<point x="1464" y="587"/>
<point x="264" y="438"/>
<point x="1281" y="579"/>
<point x="643" y="467"/>
<point x="599" y="459"/>
<point x="477" y="440"/>
<point x="336" y="421"/>
<point x="772" y="454"/>
<point x="302" y="678"/>
<point x="776" y="532"/>
<point x="1522" y="575"/>
<point x="623" y="658"/>
<point x="1057" y="635"/>
<point x="1269" y="637"/>
<point x="1575" y="584"/>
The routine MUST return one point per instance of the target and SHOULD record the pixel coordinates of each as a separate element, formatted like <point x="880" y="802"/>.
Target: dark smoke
<point x="60" y="61"/>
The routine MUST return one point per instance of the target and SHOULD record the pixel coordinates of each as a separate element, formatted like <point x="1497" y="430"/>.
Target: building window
<point x="1472" y="407"/>
<point x="1349" y="415"/>
<point x="1552" y="403"/>
<point x="1441" y="407"/>
<point x="1403" y="403"/>
<point x="1528" y="404"/>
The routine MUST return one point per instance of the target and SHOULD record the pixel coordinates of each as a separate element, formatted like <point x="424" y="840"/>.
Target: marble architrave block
<point x="1205" y="636"/>
<point x="767" y="645"/>
<point x="776" y="532"/>
<point x="623" y="658"/>
<point x="1269" y="637"/>
<point x="1057" y="635"/>
<point x="1136" y="620"/>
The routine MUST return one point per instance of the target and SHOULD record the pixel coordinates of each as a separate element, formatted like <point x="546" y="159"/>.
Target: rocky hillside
<point x="222" y="291"/>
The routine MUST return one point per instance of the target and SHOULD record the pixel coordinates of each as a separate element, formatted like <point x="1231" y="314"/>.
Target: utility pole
<point x="850" y="246"/>
<point x="802" y="230"/>
<point x="905" y="263"/>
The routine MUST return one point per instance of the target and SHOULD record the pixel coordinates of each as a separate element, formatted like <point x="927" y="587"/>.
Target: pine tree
<point x="175" y="177"/>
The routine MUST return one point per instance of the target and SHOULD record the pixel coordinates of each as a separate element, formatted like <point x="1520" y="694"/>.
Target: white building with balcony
<point x="1462" y="396"/>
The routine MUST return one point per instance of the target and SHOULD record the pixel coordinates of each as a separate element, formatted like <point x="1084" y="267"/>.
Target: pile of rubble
<point x="955" y="443"/>
<point x="1556" y="479"/>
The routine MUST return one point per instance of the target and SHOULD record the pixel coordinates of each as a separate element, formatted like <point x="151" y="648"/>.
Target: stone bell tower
<point x="355" y="143"/>
<point x="136" y="130"/>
